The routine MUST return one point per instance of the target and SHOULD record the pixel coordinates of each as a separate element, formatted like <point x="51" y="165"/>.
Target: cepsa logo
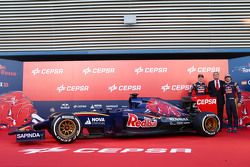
<point x="98" y="70"/>
<point x="47" y="71"/>
<point x="174" y="87"/>
<point x="192" y="69"/>
<point x="134" y="122"/>
<point x="4" y="84"/>
<point x="109" y="150"/>
<point x="3" y="71"/>
<point x="123" y="88"/>
<point x="206" y="101"/>
<point x="72" y="88"/>
<point x="150" y="70"/>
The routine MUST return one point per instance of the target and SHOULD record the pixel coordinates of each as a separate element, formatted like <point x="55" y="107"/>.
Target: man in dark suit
<point x="215" y="89"/>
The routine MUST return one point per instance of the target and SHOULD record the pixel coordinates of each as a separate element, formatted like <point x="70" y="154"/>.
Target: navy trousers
<point x="231" y="113"/>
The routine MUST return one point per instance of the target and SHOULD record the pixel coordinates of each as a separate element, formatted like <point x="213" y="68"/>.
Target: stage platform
<point x="223" y="150"/>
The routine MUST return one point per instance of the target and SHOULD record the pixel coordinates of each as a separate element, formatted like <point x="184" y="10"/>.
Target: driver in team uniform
<point x="233" y="99"/>
<point x="200" y="88"/>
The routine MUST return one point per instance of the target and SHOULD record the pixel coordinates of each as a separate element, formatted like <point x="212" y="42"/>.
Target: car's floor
<point x="223" y="150"/>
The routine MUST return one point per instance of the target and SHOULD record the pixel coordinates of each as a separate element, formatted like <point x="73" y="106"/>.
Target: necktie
<point x="217" y="84"/>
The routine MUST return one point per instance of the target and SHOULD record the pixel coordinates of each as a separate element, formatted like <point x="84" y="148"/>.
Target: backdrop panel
<point x="240" y="71"/>
<point x="115" y="80"/>
<point x="73" y="86"/>
<point x="11" y="80"/>
<point x="11" y="76"/>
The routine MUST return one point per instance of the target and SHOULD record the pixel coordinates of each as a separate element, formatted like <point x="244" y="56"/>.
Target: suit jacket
<point x="213" y="92"/>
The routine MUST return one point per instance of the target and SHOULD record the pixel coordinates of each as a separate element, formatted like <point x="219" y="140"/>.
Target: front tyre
<point x="65" y="128"/>
<point x="206" y="124"/>
<point x="51" y="118"/>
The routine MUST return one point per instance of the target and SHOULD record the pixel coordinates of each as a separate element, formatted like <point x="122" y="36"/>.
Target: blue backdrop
<point x="239" y="68"/>
<point x="11" y="76"/>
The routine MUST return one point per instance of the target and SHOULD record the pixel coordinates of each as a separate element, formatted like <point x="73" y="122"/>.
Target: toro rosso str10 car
<point x="144" y="116"/>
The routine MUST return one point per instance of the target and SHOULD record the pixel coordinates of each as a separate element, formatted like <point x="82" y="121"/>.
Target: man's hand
<point x="239" y="104"/>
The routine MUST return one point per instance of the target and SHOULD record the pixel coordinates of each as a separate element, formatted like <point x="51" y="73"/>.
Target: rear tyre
<point x="65" y="128"/>
<point x="206" y="124"/>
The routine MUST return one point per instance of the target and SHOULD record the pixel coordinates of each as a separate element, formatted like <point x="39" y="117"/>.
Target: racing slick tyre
<point x="206" y="123"/>
<point x="65" y="128"/>
<point x="51" y="118"/>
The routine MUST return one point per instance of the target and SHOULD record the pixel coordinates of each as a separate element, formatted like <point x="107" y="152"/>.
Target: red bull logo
<point x="134" y="122"/>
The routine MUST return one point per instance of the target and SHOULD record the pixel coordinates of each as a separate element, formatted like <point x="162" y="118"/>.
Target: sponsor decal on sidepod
<point x="134" y="122"/>
<point x="95" y="121"/>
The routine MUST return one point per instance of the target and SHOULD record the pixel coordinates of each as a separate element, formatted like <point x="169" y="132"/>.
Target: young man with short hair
<point x="200" y="88"/>
<point x="233" y="96"/>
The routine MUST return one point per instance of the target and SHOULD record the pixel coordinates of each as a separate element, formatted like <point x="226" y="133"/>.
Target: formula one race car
<point x="144" y="116"/>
